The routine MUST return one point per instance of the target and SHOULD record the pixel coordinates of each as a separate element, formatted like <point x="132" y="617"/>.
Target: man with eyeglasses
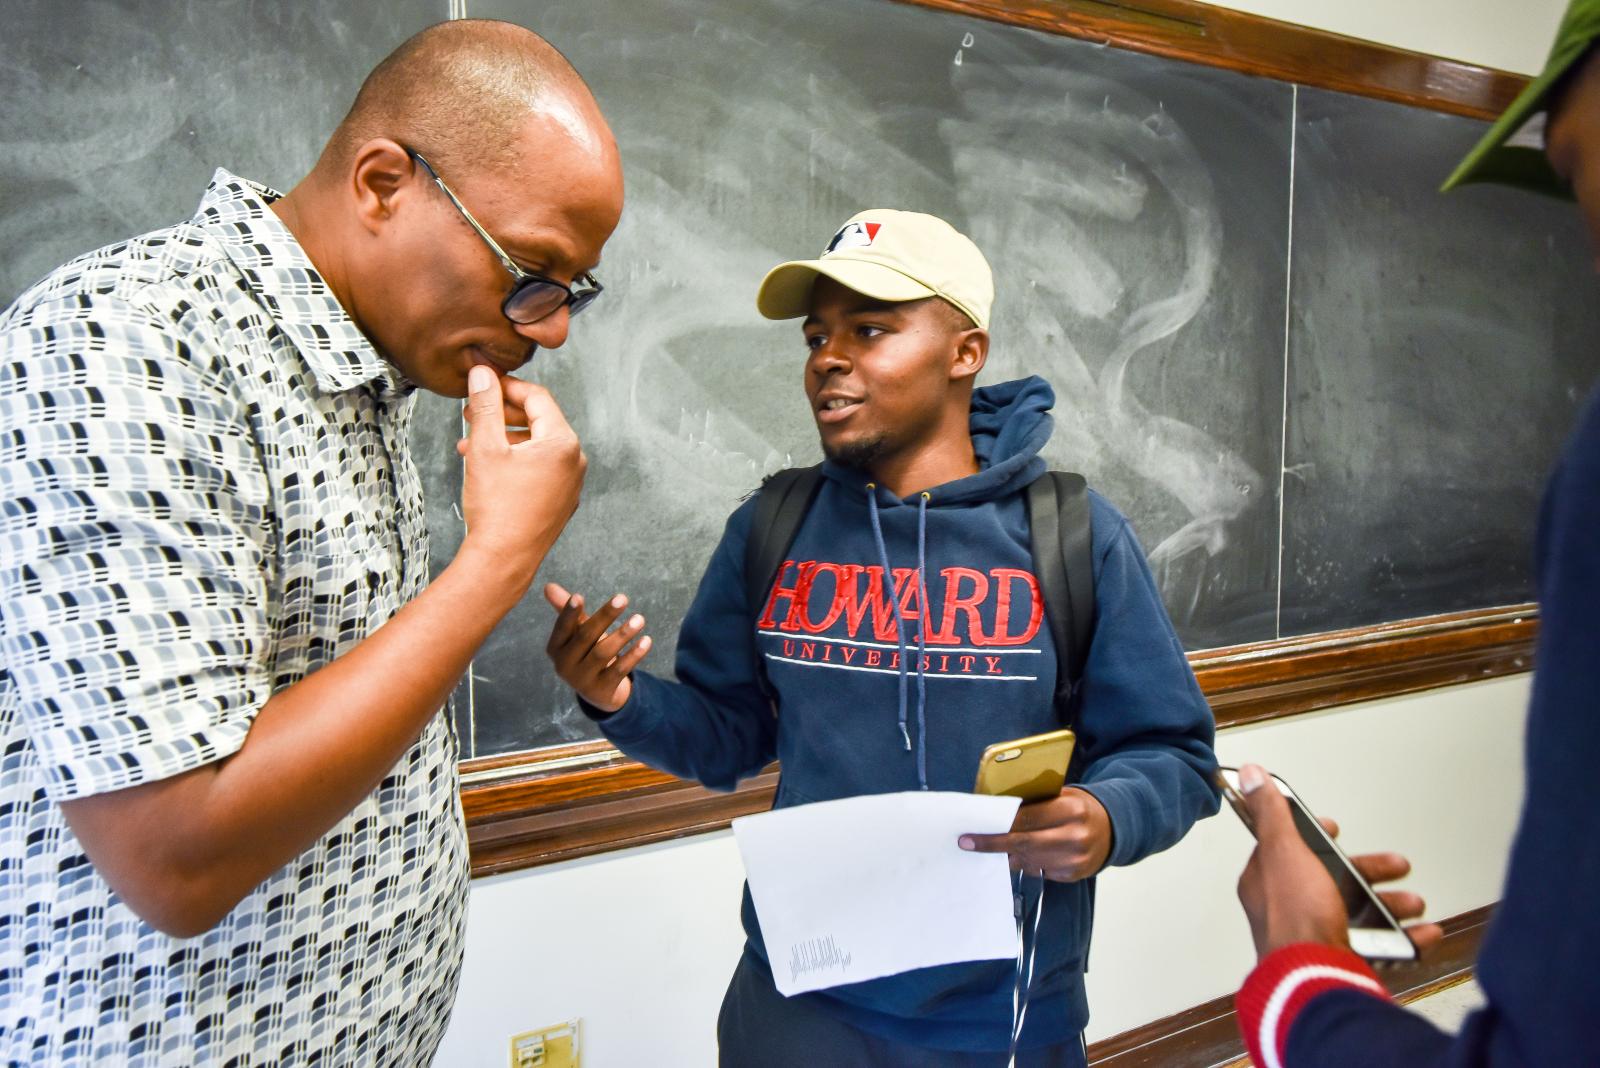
<point x="229" y="828"/>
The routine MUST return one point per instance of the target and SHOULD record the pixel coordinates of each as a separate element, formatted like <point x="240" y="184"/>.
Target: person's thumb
<point x="488" y="417"/>
<point x="1269" y="812"/>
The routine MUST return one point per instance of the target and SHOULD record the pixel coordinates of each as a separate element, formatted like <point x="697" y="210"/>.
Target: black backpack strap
<point x="1063" y="542"/>
<point x="781" y="505"/>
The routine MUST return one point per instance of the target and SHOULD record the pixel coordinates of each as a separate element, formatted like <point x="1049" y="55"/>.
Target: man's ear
<point x="971" y="353"/>
<point x="381" y="175"/>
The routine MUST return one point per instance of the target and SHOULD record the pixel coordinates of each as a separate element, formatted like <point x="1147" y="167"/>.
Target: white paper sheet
<point x="869" y="886"/>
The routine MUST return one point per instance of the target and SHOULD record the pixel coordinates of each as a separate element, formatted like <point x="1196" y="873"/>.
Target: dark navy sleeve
<point x="1351" y="1028"/>
<point x="1144" y="728"/>
<point x="714" y="724"/>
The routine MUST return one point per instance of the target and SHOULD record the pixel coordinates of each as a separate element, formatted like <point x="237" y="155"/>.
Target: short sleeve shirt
<point x="206" y="494"/>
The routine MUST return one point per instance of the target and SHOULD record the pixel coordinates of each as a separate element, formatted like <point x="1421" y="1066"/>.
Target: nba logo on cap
<point x="853" y="235"/>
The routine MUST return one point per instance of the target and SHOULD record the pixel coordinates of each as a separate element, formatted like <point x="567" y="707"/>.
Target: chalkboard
<point x="1439" y="350"/>
<point x="1414" y="357"/>
<point x="1274" y="345"/>
<point x="1149" y="293"/>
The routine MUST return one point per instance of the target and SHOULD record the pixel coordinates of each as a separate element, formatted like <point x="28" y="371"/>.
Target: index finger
<point x="545" y="418"/>
<point x="512" y="414"/>
<point x="991" y="843"/>
<point x="568" y="619"/>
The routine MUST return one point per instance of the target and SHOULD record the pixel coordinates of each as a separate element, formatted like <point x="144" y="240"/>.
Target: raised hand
<point x="590" y="657"/>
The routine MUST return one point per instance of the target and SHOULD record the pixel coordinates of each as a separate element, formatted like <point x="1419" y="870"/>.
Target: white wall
<point x="1512" y="35"/>
<point x="640" y="943"/>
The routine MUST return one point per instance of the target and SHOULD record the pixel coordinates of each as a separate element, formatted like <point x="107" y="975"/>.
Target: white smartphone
<point x="1374" y="932"/>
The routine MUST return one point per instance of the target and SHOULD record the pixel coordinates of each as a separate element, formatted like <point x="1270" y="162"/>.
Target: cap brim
<point x="1493" y="160"/>
<point x="785" y="292"/>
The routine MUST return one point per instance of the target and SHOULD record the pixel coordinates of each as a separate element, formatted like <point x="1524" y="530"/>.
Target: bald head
<point x="461" y="92"/>
<point x="528" y="190"/>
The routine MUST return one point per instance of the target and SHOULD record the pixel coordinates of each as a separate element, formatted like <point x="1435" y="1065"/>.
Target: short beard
<point x="860" y="454"/>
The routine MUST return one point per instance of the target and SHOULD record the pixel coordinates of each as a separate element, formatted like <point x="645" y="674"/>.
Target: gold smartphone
<point x="1032" y="768"/>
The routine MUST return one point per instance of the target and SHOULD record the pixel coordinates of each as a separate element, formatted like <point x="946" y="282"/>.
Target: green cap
<point x="1504" y="157"/>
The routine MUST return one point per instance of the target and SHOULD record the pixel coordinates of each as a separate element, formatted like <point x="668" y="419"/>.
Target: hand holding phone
<point x="1301" y="887"/>
<point x="1062" y="833"/>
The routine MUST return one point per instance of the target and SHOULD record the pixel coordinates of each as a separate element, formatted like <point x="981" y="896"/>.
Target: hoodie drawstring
<point x="900" y="625"/>
<point x="922" y="638"/>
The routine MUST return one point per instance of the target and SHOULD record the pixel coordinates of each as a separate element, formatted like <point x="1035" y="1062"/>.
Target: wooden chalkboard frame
<point x="574" y="801"/>
<point x="548" y="805"/>
<point x="1219" y="37"/>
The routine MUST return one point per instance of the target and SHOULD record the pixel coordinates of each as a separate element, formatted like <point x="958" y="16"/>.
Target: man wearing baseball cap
<point x="1311" y="1001"/>
<point x="904" y="633"/>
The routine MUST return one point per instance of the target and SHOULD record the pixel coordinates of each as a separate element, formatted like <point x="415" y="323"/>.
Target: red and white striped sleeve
<point x="1284" y="983"/>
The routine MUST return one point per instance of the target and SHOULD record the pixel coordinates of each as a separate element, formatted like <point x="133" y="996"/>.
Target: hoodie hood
<point x="1010" y="423"/>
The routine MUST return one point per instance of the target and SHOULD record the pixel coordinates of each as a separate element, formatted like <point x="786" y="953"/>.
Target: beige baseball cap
<point x="888" y="255"/>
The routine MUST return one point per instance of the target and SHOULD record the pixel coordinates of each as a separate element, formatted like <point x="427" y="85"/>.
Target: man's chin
<point x="444" y="381"/>
<point x="858" y="453"/>
<point x="500" y="360"/>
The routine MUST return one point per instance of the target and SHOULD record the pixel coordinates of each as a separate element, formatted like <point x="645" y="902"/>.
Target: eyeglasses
<point x="534" y="296"/>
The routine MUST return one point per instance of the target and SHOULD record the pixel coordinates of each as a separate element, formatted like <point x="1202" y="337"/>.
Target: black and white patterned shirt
<point x="205" y="495"/>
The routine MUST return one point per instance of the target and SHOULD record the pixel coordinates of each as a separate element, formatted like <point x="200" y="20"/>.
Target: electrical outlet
<point x="555" y="1046"/>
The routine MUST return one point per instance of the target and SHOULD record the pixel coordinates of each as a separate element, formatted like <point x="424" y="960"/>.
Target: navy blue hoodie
<point x="878" y="693"/>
